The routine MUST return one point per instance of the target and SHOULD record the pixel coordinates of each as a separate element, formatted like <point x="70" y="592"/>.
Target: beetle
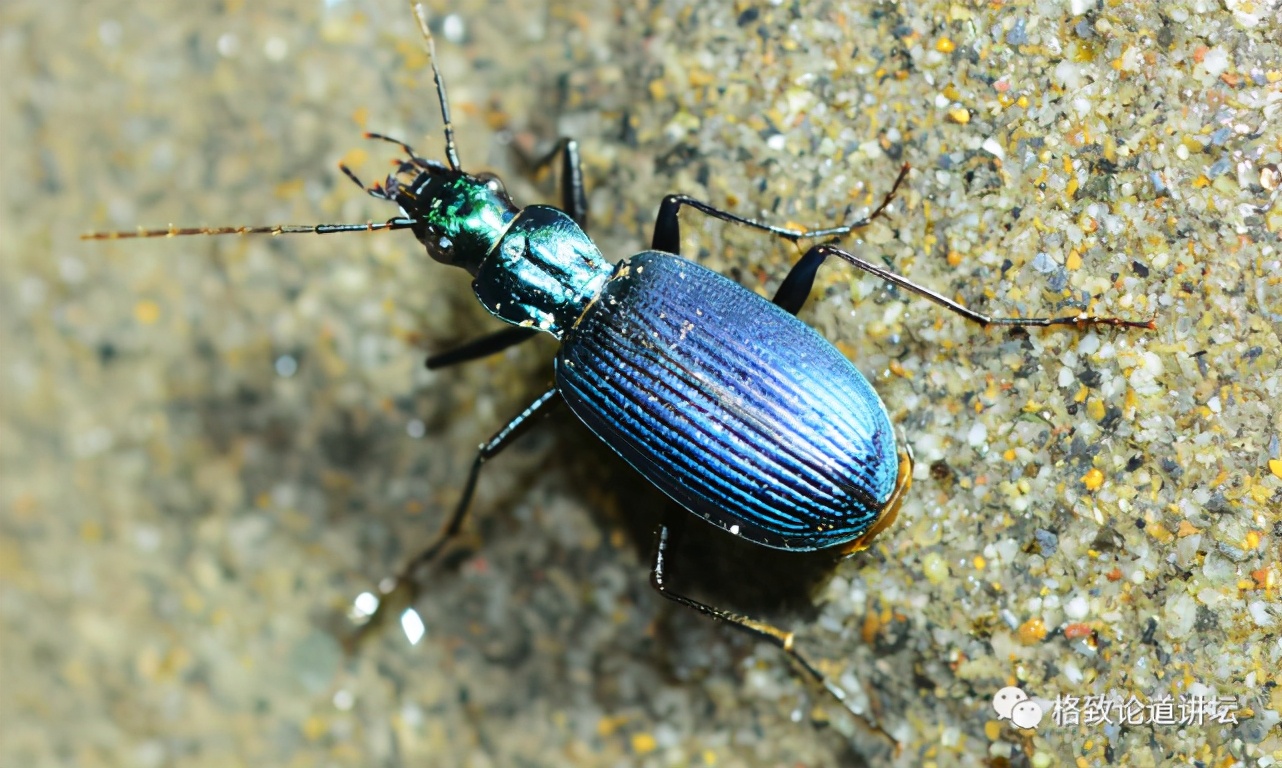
<point x="741" y="413"/>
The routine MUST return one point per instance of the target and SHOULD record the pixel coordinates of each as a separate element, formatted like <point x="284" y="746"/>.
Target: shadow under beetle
<point x="733" y="407"/>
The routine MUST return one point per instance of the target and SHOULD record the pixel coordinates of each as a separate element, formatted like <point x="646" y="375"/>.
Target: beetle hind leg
<point x="800" y="280"/>
<point x="1081" y="320"/>
<point x="781" y="639"/>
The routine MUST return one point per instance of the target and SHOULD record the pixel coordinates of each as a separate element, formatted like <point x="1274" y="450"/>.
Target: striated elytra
<point x="738" y="411"/>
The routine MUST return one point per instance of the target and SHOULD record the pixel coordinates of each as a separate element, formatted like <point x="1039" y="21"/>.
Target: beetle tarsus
<point x="398" y="593"/>
<point x="781" y="639"/>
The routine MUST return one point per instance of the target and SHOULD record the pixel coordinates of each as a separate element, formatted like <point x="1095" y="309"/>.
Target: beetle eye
<point x="493" y="183"/>
<point x="439" y="245"/>
<point x="443" y="250"/>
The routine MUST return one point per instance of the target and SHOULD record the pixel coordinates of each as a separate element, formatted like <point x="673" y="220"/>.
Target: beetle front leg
<point x="399" y="591"/>
<point x="781" y="639"/>
<point x="574" y="196"/>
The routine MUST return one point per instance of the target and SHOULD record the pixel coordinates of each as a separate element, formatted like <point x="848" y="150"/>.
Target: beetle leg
<point x="574" y="196"/>
<point x="775" y="636"/>
<point x="483" y="347"/>
<point x="1080" y="320"/>
<point x="797" y="284"/>
<point x="667" y="230"/>
<point x="399" y="591"/>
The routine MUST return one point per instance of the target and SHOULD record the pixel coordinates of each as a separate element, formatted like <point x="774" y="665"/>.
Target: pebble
<point x="1077" y="608"/>
<point x="1180" y="614"/>
<point x="935" y="568"/>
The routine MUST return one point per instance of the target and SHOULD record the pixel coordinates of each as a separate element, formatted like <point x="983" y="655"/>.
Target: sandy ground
<point x="211" y="446"/>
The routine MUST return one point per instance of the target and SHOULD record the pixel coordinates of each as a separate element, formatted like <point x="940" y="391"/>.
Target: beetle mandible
<point x="729" y="404"/>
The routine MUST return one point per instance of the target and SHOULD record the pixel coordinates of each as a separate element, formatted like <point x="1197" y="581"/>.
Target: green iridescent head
<point x="458" y="217"/>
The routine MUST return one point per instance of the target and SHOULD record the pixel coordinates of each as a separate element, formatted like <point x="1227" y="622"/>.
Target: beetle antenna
<point x="274" y="229"/>
<point x="451" y="150"/>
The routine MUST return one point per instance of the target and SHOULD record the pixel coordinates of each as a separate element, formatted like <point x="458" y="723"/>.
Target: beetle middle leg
<point x="399" y="591"/>
<point x="798" y="283"/>
<point x="781" y="639"/>
<point x="800" y="280"/>
<point x="483" y="347"/>
<point x="667" y="228"/>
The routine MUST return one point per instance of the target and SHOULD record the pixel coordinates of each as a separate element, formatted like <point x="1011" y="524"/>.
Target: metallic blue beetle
<point x="737" y="410"/>
<point x="726" y="401"/>
<point x="732" y="406"/>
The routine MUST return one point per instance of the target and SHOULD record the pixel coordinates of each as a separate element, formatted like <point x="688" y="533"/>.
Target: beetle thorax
<point x="543" y="272"/>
